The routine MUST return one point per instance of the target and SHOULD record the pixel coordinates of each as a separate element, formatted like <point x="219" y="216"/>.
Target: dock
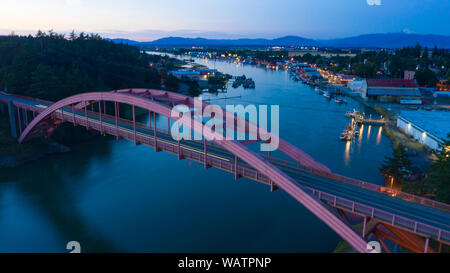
<point x="361" y="119"/>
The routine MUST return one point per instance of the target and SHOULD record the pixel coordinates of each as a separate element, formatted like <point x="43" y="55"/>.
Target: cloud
<point x="374" y="2"/>
<point x="72" y="3"/>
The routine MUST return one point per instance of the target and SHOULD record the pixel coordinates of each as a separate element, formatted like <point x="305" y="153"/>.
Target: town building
<point x="340" y="79"/>
<point x="206" y="73"/>
<point x="409" y="75"/>
<point x="390" y="90"/>
<point x="192" y="75"/>
<point x="355" y="86"/>
<point x="443" y="86"/>
<point x="430" y="128"/>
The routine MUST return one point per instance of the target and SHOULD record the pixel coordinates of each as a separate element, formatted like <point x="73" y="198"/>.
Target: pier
<point x="361" y="119"/>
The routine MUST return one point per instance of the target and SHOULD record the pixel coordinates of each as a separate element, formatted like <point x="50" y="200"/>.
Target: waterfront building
<point x="192" y="75"/>
<point x="390" y="90"/>
<point x="355" y="86"/>
<point x="443" y="85"/>
<point x="428" y="127"/>
<point x="409" y="75"/>
<point x="340" y="79"/>
<point x="206" y="73"/>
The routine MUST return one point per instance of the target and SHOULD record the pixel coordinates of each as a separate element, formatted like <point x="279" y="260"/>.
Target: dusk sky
<point x="152" y="19"/>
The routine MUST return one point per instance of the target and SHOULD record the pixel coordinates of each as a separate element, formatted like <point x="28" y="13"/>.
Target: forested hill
<point x="52" y="66"/>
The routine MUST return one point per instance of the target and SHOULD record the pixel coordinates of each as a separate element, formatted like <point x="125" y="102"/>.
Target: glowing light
<point x="347" y="153"/>
<point x="424" y="135"/>
<point x="379" y="135"/>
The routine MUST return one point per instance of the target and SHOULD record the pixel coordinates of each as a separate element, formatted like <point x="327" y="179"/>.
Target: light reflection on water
<point x="348" y="151"/>
<point x="379" y="135"/>
<point x="361" y="132"/>
<point x="368" y="132"/>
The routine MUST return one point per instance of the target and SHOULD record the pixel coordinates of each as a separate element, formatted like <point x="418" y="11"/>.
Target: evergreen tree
<point x="396" y="167"/>
<point x="439" y="176"/>
<point x="49" y="66"/>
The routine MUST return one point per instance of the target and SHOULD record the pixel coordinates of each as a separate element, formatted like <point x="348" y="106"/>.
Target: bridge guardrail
<point x="366" y="185"/>
<point x="387" y="217"/>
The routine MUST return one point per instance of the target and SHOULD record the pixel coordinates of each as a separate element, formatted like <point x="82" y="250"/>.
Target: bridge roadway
<point x="421" y="219"/>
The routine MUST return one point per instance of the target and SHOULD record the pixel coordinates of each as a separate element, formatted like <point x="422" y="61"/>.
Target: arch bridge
<point x="417" y="223"/>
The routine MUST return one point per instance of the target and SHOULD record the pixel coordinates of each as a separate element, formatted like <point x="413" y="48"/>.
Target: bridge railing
<point x="385" y="190"/>
<point x="384" y="216"/>
<point x="365" y="185"/>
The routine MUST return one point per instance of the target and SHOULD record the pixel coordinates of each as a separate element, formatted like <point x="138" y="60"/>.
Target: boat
<point x="339" y="100"/>
<point x="239" y="81"/>
<point x="345" y="136"/>
<point x="327" y="95"/>
<point x="353" y="114"/>
<point x="249" y="83"/>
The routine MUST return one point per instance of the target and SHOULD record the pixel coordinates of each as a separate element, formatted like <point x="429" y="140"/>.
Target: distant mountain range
<point x="382" y="40"/>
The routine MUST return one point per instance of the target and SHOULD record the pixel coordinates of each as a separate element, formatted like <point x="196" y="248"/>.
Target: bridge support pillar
<point x="19" y="120"/>
<point x="116" y="117"/>
<point x="12" y="119"/>
<point x="25" y="119"/>
<point x="236" y="175"/>
<point x="427" y="242"/>
<point x="100" y="116"/>
<point x="273" y="186"/>
<point x="364" y="227"/>
<point x="205" y="154"/>
<point x="134" y="124"/>
<point x="2" y="109"/>
<point x="86" y="116"/>
<point x="154" y="133"/>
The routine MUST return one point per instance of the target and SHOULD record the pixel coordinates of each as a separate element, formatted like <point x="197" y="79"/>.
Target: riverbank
<point x="13" y="154"/>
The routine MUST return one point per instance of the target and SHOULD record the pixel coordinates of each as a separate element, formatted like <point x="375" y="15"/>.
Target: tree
<point x="426" y="77"/>
<point x="439" y="176"/>
<point x="171" y="83"/>
<point x="49" y="66"/>
<point x="396" y="167"/>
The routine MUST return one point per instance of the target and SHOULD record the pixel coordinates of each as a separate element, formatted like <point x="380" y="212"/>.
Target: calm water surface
<point x="114" y="196"/>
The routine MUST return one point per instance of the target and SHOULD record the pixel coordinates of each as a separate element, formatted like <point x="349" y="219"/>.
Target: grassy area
<point x="382" y="111"/>
<point x="398" y="137"/>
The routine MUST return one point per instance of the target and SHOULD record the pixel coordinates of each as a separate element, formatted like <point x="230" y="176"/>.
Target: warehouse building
<point x="430" y="128"/>
<point x="389" y="90"/>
